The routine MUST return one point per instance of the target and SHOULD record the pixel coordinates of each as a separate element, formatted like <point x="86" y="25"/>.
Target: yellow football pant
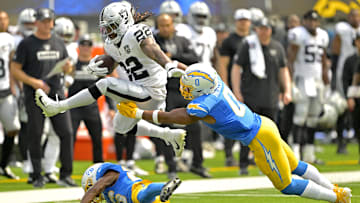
<point x="272" y="155"/>
<point x="138" y="186"/>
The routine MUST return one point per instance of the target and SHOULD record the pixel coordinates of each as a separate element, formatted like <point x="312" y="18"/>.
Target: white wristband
<point x="171" y="65"/>
<point x="155" y="116"/>
<point x="139" y="113"/>
<point x="351" y="91"/>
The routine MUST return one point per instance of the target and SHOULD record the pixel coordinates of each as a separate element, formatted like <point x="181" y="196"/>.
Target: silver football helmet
<point x="199" y="15"/>
<point x="172" y="8"/>
<point x="338" y="102"/>
<point x="26" y="21"/>
<point x="199" y="79"/>
<point x="65" y="29"/>
<point x="328" y="117"/>
<point x="115" y="19"/>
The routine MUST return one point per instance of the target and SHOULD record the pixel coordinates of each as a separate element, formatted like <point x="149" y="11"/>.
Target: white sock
<point x="309" y="153"/>
<point x="296" y="149"/>
<point x="145" y="128"/>
<point x="315" y="191"/>
<point x="82" y="98"/>
<point x="313" y="174"/>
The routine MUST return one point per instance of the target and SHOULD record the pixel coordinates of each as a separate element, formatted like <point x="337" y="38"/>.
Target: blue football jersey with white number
<point x="121" y="190"/>
<point x="234" y="120"/>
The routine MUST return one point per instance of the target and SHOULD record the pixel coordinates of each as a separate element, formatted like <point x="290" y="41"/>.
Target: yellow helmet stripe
<point x="201" y="74"/>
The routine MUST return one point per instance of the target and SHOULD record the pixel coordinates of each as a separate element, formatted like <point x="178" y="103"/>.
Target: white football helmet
<point x="65" y="29"/>
<point x="115" y="19"/>
<point x="338" y="102"/>
<point x="172" y="8"/>
<point x="328" y="117"/>
<point x="26" y="21"/>
<point x="199" y="79"/>
<point x="89" y="179"/>
<point x="199" y="15"/>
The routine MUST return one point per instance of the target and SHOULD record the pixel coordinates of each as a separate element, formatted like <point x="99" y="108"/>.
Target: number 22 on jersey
<point x="237" y="107"/>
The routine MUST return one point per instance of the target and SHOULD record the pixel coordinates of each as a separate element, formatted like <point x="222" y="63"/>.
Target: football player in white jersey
<point x="202" y="37"/>
<point x="307" y="59"/>
<point x="342" y="48"/>
<point x="132" y="46"/>
<point x="8" y="106"/>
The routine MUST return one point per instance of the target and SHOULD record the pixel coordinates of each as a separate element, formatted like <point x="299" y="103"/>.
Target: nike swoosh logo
<point x="40" y="99"/>
<point x="177" y="146"/>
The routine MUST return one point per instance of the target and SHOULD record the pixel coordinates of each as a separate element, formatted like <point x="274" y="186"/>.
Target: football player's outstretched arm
<point x="153" y="51"/>
<point x="108" y="179"/>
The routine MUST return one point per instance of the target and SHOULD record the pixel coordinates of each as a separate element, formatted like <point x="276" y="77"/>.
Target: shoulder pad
<point x="140" y="32"/>
<point x="197" y="109"/>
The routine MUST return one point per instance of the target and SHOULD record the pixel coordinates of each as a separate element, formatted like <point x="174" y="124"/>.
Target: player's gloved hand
<point x="94" y="69"/>
<point x="173" y="71"/>
<point x="129" y="109"/>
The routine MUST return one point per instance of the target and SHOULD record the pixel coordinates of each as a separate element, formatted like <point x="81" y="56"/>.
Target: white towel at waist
<point x="256" y="56"/>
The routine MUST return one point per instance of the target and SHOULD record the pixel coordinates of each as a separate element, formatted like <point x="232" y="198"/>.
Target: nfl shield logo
<point x="127" y="49"/>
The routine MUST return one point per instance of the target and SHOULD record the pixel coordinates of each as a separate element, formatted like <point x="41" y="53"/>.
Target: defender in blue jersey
<point x="215" y="105"/>
<point x="110" y="182"/>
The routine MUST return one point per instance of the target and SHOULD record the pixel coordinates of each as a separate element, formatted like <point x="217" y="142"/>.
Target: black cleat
<point x="169" y="188"/>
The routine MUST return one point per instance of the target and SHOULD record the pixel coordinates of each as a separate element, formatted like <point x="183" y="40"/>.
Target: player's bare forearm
<point x="108" y="179"/>
<point x="223" y="71"/>
<point x="325" y="69"/>
<point x="178" y="116"/>
<point x="285" y="79"/>
<point x="356" y="79"/>
<point x="292" y="54"/>
<point x="336" y="45"/>
<point x="153" y="51"/>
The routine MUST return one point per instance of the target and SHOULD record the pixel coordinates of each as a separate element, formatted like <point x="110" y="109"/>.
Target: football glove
<point x="130" y="109"/>
<point x="173" y="71"/>
<point x="94" y="69"/>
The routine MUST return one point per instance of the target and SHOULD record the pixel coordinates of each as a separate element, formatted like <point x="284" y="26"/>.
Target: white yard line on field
<point x="187" y="187"/>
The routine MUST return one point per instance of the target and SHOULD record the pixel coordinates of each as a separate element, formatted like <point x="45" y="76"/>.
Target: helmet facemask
<point x="115" y="20"/>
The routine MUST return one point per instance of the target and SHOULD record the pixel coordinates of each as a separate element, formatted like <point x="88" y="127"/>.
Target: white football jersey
<point x="7" y="44"/>
<point x="139" y="68"/>
<point x="308" y="62"/>
<point x="347" y="34"/>
<point x="203" y="43"/>
<point x="71" y="49"/>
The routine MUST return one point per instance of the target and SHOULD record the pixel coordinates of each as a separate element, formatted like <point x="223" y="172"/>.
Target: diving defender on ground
<point x="114" y="184"/>
<point x="213" y="103"/>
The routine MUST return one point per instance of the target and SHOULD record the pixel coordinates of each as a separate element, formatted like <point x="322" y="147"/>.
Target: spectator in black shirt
<point x="261" y="93"/>
<point x="351" y="79"/>
<point x="231" y="44"/>
<point x="227" y="52"/>
<point x="34" y="58"/>
<point x="89" y="114"/>
<point x="179" y="48"/>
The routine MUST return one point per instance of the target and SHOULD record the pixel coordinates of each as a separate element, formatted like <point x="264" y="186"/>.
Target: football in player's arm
<point x="213" y="103"/>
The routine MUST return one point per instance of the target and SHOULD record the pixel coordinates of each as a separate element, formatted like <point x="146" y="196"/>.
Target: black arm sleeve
<point x="111" y="103"/>
<point x="187" y="55"/>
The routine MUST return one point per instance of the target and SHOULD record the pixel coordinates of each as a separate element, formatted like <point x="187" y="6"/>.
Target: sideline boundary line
<point x="187" y="187"/>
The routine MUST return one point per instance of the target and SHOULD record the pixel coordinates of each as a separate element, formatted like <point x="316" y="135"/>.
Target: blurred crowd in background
<point x="326" y="109"/>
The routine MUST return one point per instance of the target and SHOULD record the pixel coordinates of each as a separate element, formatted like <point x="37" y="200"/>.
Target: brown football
<point x="109" y="62"/>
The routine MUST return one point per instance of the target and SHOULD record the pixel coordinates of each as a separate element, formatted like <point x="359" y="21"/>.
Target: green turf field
<point x="334" y="162"/>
